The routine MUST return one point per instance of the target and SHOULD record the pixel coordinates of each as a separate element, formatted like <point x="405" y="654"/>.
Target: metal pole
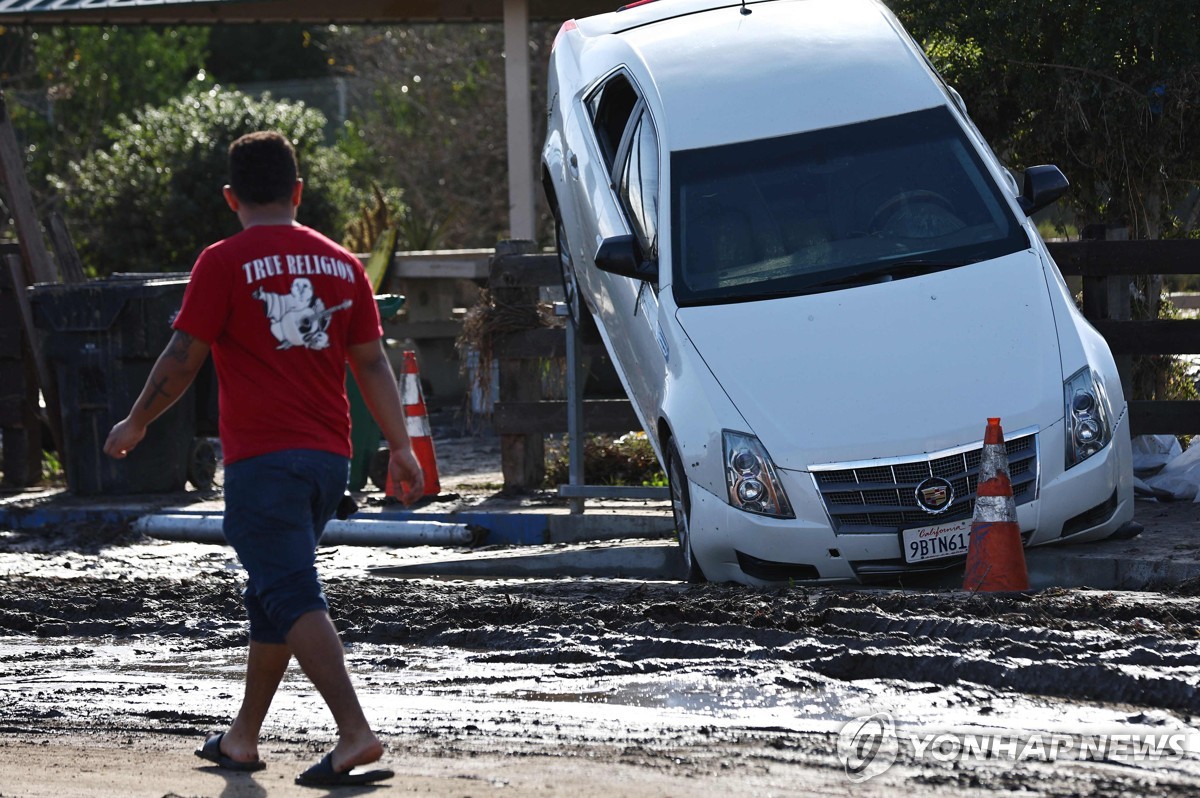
<point x="575" y="442"/>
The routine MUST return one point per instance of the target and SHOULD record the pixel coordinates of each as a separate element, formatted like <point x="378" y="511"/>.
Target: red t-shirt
<point x="279" y="304"/>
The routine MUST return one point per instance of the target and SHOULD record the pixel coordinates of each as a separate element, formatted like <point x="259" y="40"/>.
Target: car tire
<point x="681" y="509"/>
<point x="377" y="468"/>
<point x="202" y="464"/>
<point x="578" y="309"/>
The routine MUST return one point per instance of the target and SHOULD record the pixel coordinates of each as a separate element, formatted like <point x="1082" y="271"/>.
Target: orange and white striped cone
<point x="995" y="554"/>
<point x="417" y="423"/>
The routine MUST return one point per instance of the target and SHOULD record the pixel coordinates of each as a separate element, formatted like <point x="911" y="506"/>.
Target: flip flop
<point x="211" y="751"/>
<point x="322" y="774"/>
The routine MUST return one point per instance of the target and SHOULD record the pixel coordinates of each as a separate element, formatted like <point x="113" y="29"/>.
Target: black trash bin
<point x="101" y="338"/>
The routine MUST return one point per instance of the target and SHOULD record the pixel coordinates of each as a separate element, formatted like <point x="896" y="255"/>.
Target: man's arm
<point x="173" y="372"/>
<point x="377" y="382"/>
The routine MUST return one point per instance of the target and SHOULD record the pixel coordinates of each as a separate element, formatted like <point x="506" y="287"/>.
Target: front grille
<point x="869" y="498"/>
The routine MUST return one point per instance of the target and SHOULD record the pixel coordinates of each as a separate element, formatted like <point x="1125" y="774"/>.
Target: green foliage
<point x="1160" y="376"/>
<point x="627" y="460"/>
<point x="52" y="468"/>
<point x="89" y="76"/>
<point x="247" y="53"/>
<point x="375" y="216"/>
<point x="386" y="209"/>
<point x="152" y="200"/>
<point x="418" y="233"/>
<point x="1109" y="91"/>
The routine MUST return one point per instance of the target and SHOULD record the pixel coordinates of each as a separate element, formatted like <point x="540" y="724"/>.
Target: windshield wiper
<point x="885" y="272"/>
<point x="856" y="276"/>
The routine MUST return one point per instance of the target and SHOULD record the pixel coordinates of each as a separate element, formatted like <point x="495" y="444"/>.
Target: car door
<point x="616" y="192"/>
<point x="608" y="109"/>
<point x="636" y="310"/>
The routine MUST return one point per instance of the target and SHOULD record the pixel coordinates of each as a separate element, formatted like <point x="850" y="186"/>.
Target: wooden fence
<point x="1107" y="268"/>
<point x="522" y="417"/>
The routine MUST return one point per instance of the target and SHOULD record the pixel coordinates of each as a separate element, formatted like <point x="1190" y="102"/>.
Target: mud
<point x="711" y="689"/>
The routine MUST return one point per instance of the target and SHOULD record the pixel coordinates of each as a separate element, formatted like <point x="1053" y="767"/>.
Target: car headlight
<point x="750" y="476"/>
<point x="1088" y="415"/>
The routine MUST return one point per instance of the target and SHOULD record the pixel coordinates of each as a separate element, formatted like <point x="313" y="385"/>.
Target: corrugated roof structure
<point x="199" y="12"/>
<point x="515" y="15"/>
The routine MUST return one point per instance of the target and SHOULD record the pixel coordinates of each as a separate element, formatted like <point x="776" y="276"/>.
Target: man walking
<point x="282" y="309"/>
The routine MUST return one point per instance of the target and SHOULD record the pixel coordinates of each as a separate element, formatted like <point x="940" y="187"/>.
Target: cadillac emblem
<point x="935" y="495"/>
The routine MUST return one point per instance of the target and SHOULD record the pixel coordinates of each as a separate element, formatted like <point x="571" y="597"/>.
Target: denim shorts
<point x="276" y="507"/>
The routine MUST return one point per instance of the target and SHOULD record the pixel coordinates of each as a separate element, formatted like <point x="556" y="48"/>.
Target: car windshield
<point x="834" y="208"/>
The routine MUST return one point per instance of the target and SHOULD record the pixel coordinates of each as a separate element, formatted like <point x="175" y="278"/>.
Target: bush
<point x="627" y="460"/>
<point x="153" y="200"/>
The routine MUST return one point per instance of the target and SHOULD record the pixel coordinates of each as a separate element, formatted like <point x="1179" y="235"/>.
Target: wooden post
<point x="64" y="248"/>
<point x="522" y="456"/>
<point x="46" y="380"/>
<point x="38" y="266"/>
<point x="20" y="420"/>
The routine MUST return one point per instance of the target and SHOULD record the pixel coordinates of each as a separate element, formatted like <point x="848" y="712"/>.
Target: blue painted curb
<point x="502" y="528"/>
<point x="42" y="517"/>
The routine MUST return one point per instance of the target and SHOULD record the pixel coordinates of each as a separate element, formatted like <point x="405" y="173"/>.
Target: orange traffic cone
<point x="995" y="554"/>
<point x="417" y="422"/>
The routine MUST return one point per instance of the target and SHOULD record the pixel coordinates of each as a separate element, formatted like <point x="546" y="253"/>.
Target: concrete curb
<point x="1076" y="566"/>
<point x="641" y="545"/>
<point x="625" y="559"/>
<point x="1082" y="566"/>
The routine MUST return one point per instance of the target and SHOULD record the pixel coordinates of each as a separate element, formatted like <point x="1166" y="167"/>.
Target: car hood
<point x="891" y="369"/>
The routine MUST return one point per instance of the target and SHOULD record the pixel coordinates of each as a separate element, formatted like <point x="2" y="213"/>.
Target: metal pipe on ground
<point x="206" y="528"/>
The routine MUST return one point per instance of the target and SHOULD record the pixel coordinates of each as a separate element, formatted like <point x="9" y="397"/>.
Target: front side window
<point x="832" y="209"/>
<point x="639" y="185"/>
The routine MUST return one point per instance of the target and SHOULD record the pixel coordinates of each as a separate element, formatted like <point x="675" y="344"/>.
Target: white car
<point x="817" y="283"/>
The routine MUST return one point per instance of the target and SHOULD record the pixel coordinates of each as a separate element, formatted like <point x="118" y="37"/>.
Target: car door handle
<point x="573" y="160"/>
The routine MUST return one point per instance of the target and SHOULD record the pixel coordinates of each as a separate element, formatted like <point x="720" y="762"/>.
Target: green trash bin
<point x="364" y="432"/>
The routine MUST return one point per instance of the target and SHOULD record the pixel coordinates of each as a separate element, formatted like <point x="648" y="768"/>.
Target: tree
<point x="1108" y="90"/>
<point x="152" y="200"/>
<point x="77" y="81"/>
<point x="251" y="53"/>
<point x="431" y="121"/>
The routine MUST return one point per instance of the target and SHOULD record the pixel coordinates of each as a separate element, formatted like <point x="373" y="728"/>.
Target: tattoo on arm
<point x="159" y="390"/>
<point x="181" y="342"/>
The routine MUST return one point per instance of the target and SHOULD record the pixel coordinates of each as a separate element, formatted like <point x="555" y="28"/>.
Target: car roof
<point x="722" y="75"/>
<point x="635" y="14"/>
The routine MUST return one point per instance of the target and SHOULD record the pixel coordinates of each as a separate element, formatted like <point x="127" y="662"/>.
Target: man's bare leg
<point x="314" y="641"/>
<point x="265" y="666"/>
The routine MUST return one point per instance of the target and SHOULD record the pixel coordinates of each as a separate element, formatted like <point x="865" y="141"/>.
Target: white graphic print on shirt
<point x="298" y="318"/>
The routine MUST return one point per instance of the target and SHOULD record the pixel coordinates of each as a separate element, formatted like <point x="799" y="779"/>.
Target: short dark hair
<point x="262" y="167"/>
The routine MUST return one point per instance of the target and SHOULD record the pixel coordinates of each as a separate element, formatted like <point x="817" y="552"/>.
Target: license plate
<point x="936" y="542"/>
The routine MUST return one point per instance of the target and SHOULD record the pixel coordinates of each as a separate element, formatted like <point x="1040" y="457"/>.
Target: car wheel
<point x="377" y="468"/>
<point x="575" y="304"/>
<point x="202" y="464"/>
<point x="681" y="509"/>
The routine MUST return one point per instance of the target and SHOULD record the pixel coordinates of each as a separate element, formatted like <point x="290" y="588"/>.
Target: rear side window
<point x="639" y="184"/>
<point x="610" y="107"/>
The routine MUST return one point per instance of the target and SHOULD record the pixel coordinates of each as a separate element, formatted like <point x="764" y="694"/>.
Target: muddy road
<point x="118" y="653"/>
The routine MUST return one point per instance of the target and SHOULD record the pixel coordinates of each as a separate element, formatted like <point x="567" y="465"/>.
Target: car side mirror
<point x="1042" y="186"/>
<point x="623" y="255"/>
